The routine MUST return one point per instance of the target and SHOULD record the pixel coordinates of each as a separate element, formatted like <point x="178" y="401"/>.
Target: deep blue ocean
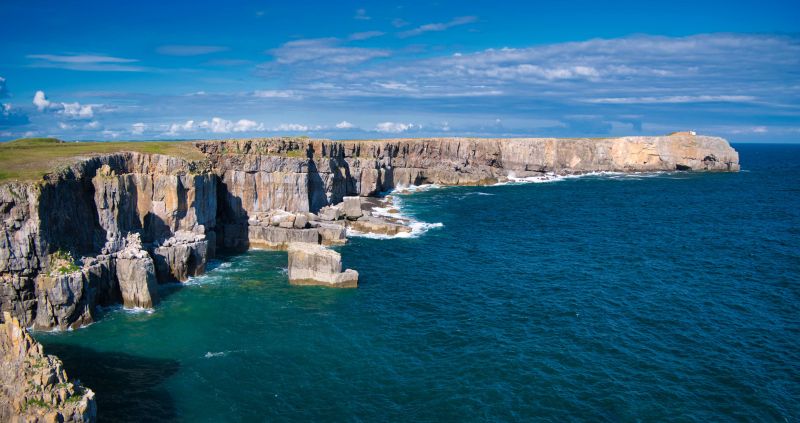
<point x="667" y="297"/>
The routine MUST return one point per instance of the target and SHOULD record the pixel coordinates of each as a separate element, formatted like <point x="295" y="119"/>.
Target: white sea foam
<point x="553" y="177"/>
<point x="408" y="189"/>
<point x="393" y="209"/>
<point x="216" y="354"/>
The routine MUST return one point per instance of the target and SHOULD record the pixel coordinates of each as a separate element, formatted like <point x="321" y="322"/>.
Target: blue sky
<point x="364" y="69"/>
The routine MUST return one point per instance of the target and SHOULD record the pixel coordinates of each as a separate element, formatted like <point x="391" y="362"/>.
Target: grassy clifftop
<point x="30" y="158"/>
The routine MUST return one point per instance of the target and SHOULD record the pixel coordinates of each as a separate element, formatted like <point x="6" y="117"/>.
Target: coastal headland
<point x="96" y="224"/>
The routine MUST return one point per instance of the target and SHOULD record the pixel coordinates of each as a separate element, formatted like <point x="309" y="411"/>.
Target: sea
<point x="650" y="297"/>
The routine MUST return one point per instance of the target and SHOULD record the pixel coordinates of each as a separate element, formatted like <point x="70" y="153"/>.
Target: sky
<point x="107" y="70"/>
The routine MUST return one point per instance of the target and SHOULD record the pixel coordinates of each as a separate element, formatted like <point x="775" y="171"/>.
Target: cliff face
<point x="66" y="242"/>
<point x="33" y="386"/>
<point x="110" y="228"/>
<point x="258" y="176"/>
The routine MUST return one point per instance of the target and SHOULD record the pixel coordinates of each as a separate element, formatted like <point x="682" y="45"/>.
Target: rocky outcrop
<point x="136" y="275"/>
<point x="256" y="193"/>
<point x="308" y="175"/>
<point x="33" y="386"/>
<point x="314" y="264"/>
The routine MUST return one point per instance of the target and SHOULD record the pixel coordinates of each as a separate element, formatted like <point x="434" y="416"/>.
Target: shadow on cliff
<point x="127" y="388"/>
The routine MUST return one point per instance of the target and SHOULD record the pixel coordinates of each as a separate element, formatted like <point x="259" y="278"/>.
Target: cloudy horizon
<point x="409" y="70"/>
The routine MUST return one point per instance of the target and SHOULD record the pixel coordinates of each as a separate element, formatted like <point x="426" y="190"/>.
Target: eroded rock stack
<point x="33" y="386"/>
<point x="314" y="264"/>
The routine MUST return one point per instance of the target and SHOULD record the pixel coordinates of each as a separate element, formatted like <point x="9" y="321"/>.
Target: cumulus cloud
<point x="40" y="101"/>
<point x="323" y="51"/>
<point x="435" y="27"/>
<point x="189" y="50"/>
<point x="85" y="62"/>
<point x="176" y="128"/>
<point x="138" y="128"/>
<point x="77" y="110"/>
<point x="291" y="127"/>
<point x="71" y="110"/>
<point x="395" y="127"/>
<point x="3" y="89"/>
<point x="344" y="125"/>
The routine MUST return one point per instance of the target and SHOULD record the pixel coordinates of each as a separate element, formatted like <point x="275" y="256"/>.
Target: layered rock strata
<point x="265" y="193"/>
<point x="33" y="386"/>
<point x="314" y="264"/>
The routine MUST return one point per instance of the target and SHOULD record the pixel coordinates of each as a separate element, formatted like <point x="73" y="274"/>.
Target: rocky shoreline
<point x="110" y="228"/>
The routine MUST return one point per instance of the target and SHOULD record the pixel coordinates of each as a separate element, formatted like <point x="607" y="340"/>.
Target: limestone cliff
<point x="66" y="244"/>
<point x="33" y="386"/>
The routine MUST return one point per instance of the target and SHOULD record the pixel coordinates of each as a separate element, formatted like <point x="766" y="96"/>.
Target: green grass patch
<point x="29" y="159"/>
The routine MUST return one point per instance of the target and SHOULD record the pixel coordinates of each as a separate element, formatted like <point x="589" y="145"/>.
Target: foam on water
<point x="393" y="209"/>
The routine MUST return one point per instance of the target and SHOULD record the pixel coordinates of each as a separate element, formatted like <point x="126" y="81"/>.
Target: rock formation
<point x="314" y="264"/>
<point x="66" y="245"/>
<point x="136" y="275"/>
<point x="33" y="386"/>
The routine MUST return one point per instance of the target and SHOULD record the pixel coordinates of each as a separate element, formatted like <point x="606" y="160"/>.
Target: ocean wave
<point x="393" y="209"/>
<point x="408" y="189"/>
<point x="215" y="354"/>
<point x="550" y="177"/>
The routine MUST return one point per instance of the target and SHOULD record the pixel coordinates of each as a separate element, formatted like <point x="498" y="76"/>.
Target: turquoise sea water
<point x="671" y="297"/>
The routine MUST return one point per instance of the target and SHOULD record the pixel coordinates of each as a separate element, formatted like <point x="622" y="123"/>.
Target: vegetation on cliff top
<point x="30" y="158"/>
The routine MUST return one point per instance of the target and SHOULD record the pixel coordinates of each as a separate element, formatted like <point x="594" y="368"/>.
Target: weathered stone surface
<point x="314" y="264"/>
<point x="33" y="386"/>
<point x="181" y="256"/>
<point x="330" y="213"/>
<point x="279" y="238"/>
<point x="375" y="225"/>
<point x="351" y="206"/>
<point x="136" y="275"/>
<point x="89" y="208"/>
<point x="332" y="233"/>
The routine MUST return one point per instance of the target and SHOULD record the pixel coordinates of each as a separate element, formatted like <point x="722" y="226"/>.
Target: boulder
<point x="351" y="206"/>
<point x="314" y="264"/>
<point x="332" y="233"/>
<point x="330" y="213"/>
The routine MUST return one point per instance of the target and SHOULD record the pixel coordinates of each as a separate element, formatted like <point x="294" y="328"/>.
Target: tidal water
<point x="653" y="297"/>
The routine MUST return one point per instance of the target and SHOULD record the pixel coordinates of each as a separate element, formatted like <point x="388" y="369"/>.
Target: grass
<point x="29" y="159"/>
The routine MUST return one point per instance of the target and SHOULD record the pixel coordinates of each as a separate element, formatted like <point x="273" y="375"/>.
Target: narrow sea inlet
<point x="649" y="297"/>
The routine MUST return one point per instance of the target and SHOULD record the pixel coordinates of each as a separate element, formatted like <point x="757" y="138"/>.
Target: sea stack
<point x="314" y="264"/>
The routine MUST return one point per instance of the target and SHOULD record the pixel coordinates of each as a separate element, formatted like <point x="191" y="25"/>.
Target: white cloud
<point x="675" y="99"/>
<point x="345" y="125"/>
<point x="109" y="133"/>
<point x="189" y="50"/>
<point x="361" y="14"/>
<point x="176" y="128"/>
<point x="293" y="127"/>
<point x="40" y="101"/>
<point x="138" y="128"/>
<point x="395" y="127"/>
<point x="3" y="88"/>
<point x="323" y="51"/>
<point x="276" y="94"/>
<point x="65" y="126"/>
<point x="92" y="125"/>
<point x="358" y="36"/>
<point x="432" y="27"/>
<point x="223" y="126"/>
<point x="85" y="62"/>
<point x="76" y="110"/>
<point x="71" y="110"/>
